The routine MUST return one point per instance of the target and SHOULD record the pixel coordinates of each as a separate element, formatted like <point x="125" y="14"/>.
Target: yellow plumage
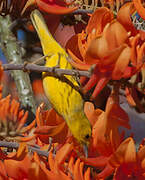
<point x="64" y="98"/>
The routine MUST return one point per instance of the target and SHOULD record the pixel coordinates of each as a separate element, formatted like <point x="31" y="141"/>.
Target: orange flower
<point x="50" y="124"/>
<point x="129" y="164"/>
<point x="60" y="165"/>
<point x="126" y="163"/>
<point x="12" y="120"/>
<point x="17" y="163"/>
<point x="106" y="137"/>
<point x="123" y="160"/>
<point x="21" y="165"/>
<point x="65" y="165"/>
<point x="94" y="28"/>
<point x="67" y="170"/>
<point x="105" y="132"/>
<point x="105" y="43"/>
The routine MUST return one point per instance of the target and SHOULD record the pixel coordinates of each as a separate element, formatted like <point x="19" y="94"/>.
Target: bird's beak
<point x="85" y="148"/>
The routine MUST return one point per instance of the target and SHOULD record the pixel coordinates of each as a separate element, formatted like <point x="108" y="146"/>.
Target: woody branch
<point x="51" y="71"/>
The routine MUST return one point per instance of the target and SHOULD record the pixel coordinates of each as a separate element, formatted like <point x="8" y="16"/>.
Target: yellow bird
<point x="65" y="99"/>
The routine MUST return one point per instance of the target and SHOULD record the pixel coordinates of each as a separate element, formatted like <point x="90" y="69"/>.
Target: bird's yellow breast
<point x="62" y="96"/>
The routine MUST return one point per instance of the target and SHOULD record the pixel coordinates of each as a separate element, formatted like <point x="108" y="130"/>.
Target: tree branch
<point x="13" y="54"/>
<point x="50" y="71"/>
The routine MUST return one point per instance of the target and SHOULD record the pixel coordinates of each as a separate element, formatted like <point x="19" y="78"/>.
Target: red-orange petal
<point x="87" y="174"/>
<point x="123" y="16"/>
<point x="108" y="170"/>
<point x="49" y="130"/>
<point x="99" y="19"/>
<point x="121" y="64"/>
<point x="91" y="113"/>
<point x="62" y="153"/>
<point x="99" y="161"/>
<point x="72" y="46"/>
<point x="17" y="169"/>
<point x="3" y="173"/>
<point x="77" y="173"/>
<point x="115" y="34"/>
<point x="100" y="85"/>
<point x="125" y="153"/>
<point x="129" y="96"/>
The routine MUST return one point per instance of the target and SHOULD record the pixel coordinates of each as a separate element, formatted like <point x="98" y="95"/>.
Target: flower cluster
<point x="113" y="45"/>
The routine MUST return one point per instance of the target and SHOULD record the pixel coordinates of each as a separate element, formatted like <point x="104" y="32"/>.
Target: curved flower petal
<point x="17" y="169"/>
<point x="141" y="156"/>
<point x="72" y="48"/>
<point x="3" y="173"/>
<point x="106" y="172"/>
<point x="38" y="170"/>
<point x="135" y="96"/>
<point x="125" y="153"/>
<point x="129" y="97"/>
<point x="115" y="34"/>
<point x="56" y="163"/>
<point x="99" y="19"/>
<point x="121" y="64"/>
<point x="63" y="153"/>
<point x="105" y="132"/>
<point x="50" y="130"/>
<point x="50" y="124"/>
<point x="113" y="37"/>
<point x="123" y="16"/>
<point x="97" y="49"/>
<point x="99" y="161"/>
<point x="87" y="174"/>
<point x="80" y="65"/>
<point x="14" y="120"/>
<point x="100" y="85"/>
<point x="91" y="113"/>
<point x="77" y="172"/>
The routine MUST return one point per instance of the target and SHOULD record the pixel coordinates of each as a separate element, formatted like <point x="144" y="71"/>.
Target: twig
<point x="82" y="11"/>
<point x="15" y="145"/>
<point x="51" y="71"/>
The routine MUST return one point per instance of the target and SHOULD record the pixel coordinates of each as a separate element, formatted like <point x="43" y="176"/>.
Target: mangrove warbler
<point x="65" y="99"/>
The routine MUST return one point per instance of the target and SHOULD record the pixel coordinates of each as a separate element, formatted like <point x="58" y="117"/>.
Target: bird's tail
<point x="49" y="44"/>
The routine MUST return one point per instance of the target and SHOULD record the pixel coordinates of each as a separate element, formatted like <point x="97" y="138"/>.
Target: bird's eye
<point x="87" y="136"/>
